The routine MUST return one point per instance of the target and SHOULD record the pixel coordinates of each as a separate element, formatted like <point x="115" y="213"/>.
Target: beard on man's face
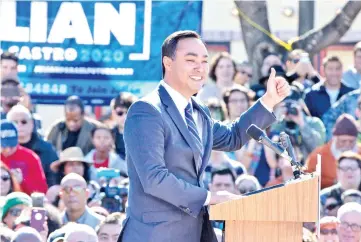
<point x="338" y="152"/>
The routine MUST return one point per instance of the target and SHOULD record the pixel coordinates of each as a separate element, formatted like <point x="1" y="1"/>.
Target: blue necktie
<point x="192" y="127"/>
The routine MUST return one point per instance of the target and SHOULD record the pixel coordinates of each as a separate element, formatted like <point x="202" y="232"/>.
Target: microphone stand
<point x="286" y="144"/>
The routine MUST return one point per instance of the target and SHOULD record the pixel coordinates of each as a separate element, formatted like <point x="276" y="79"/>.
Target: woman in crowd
<point x="8" y="182"/>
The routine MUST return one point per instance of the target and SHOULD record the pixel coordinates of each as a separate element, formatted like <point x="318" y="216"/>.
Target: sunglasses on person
<point x="120" y="113"/>
<point x="245" y="190"/>
<point x="332" y="206"/>
<point x="295" y="61"/>
<point x="5" y="178"/>
<point x="348" y="168"/>
<point x="328" y="231"/>
<point x="246" y="73"/>
<point x="75" y="189"/>
<point x="23" y="121"/>
<point x="15" y="212"/>
<point x="354" y="227"/>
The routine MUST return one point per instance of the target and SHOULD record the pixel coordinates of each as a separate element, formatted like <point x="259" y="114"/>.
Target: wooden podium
<point x="272" y="215"/>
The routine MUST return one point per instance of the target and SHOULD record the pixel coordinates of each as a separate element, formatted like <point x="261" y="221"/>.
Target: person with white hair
<point x="29" y="138"/>
<point x="80" y="232"/>
<point x="349" y="228"/>
<point x="27" y="234"/>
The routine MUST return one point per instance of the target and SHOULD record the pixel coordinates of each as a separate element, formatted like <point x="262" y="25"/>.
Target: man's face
<point x="328" y="234"/>
<point x="222" y="183"/>
<point x="103" y="140"/>
<point x="74" y="194"/>
<point x="349" y="173"/>
<point x="24" y="125"/>
<point x="358" y="61"/>
<point x="269" y="61"/>
<point x="9" y="68"/>
<point x="13" y="213"/>
<point x="109" y="233"/>
<point x="349" y="229"/>
<point x="345" y="142"/>
<point x="350" y="199"/>
<point x="189" y="68"/>
<point x="8" y="151"/>
<point x="333" y="73"/>
<point x="225" y="70"/>
<point x="80" y="236"/>
<point x="73" y="118"/>
<point x="119" y="115"/>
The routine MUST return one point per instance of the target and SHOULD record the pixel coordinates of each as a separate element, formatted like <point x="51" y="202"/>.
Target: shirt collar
<point x="179" y="100"/>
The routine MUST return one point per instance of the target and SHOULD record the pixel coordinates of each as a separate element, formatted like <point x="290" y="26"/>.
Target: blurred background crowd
<point x="69" y="179"/>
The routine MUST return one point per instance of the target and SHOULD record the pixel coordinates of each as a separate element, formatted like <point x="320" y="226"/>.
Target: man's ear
<point x="167" y="62"/>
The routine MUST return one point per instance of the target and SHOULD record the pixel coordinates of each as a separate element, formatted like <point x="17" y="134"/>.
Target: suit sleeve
<point x="144" y="137"/>
<point x="233" y="136"/>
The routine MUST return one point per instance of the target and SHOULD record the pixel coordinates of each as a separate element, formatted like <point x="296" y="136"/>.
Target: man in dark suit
<point x="169" y="136"/>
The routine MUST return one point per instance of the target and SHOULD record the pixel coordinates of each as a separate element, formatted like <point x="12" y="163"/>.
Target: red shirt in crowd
<point x="104" y="164"/>
<point x="30" y="166"/>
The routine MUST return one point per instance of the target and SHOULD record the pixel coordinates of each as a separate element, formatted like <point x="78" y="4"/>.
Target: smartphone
<point x="37" y="219"/>
<point x="38" y="199"/>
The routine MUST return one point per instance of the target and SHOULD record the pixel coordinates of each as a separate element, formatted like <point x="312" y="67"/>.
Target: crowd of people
<point x="77" y="169"/>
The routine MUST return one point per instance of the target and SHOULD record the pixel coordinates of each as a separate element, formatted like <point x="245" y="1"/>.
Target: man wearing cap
<point x="328" y="229"/>
<point x="24" y="163"/>
<point x="344" y="139"/>
<point x="15" y="203"/>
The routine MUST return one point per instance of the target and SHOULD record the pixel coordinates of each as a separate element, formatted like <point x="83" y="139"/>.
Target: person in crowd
<point x="347" y="104"/>
<point x="9" y="64"/>
<point x="27" y="138"/>
<point x="223" y="179"/>
<point x="324" y="94"/>
<point x="344" y="139"/>
<point x="6" y="234"/>
<point x="352" y="77"/>
<point x="27" y="234"/>
<point x="270" y="59"/>
<point x="80" y="232"/>
<point x="109" y="229"/>
<point x="72" y="160"/>
<point x="75" y="129"/>
<point x="222" y="73"/>
<point x="103" y="156"/>
<point x="23" y="163"/>
<point x="348" y="176"/>
<point x="332" y="204"/>
<point x="349" y="228"/>
<point x="14" y="204"/>
<point x="306" y="132"/>
<point x="120" y="105"/>
<point x="220" y="159"/>
<point x="244" y="74"/>
<point x="10" y="94"/>
<point x="351" y="195"/>
<point x="8" y="182"/>
<point x="299" y="68"/>
<point x="247" y="183"/>
<point x="285" y="170"/>
<point x="328" y="229"/>
<point x="74" y="193"/>
<point x="217" y="109"/>
<point x="237" y="101"/>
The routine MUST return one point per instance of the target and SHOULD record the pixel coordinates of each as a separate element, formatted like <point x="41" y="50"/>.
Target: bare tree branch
<point x="316" y="40"/>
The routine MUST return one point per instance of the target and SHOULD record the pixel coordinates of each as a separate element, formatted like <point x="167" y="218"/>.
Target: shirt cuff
<point x="265" y="106"/>
<point x="206" y="203"/>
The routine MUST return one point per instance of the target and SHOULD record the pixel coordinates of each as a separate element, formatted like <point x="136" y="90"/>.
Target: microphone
<point x="257" y="134"/>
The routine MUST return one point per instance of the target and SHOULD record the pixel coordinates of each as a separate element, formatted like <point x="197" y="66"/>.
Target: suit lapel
<point x="207" y="135"/>
<point x="178" y="120"/>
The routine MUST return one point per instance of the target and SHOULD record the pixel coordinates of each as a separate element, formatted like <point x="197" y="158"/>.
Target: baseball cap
<point x="9" y="134"/>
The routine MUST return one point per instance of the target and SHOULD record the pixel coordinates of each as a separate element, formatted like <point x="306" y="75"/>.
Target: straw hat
<point x="69" y="154"/>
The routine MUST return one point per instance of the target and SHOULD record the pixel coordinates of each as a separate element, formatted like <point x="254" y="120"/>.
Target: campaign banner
<point x="93" y="49"/>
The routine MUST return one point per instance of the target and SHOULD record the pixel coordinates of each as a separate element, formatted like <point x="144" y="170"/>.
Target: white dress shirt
<point x="181" y="103"/>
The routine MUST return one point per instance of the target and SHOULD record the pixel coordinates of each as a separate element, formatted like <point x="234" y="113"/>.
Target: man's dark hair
<point x="74" y="101"/>
<point x="9" y="56"/>
<point x="169" y="45"/>
<point x="329" y="59"/>
<point x="114" y="218"/>
<point x="222" y="172"/>
<point x="215" y="61"/>
<point x="124" y="99"/>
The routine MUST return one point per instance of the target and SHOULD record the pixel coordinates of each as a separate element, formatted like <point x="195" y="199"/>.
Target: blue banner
<point x="92" y="49"/>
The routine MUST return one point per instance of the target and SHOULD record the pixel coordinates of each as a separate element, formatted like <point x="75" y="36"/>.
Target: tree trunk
<point x="306" y="13"/>
<point x="256" y="41"/>
<point x="318" y="39"/>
